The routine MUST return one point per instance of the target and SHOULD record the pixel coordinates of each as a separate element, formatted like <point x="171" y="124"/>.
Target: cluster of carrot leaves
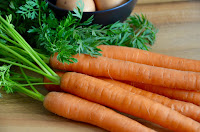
<point x="69" y="35"/>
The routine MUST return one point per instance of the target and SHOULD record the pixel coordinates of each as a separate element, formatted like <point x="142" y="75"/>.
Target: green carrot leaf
<point x="4" y="75"/>
<point x="29" y="10"/>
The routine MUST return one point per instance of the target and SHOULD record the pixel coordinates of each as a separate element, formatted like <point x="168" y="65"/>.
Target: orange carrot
<point x="187" y="109"/>
<point x="183" y="95"/>
<point x="130" y="71"/>
<point x="75" y="108"/>
<point x="107" y="94"/>
<point x="149" y="58"/>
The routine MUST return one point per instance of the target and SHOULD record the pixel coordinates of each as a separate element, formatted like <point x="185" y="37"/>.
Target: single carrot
<point x="149" y="58"/>
<point x="183" y="95"/>
<point x="107" y="94"/>
<point x="78" y="109"/>
<point x="187" y="109"/>
<point x="130" y="71"/>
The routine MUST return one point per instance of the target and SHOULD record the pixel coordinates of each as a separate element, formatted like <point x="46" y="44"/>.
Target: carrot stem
<point x="18" y="45"/>
<point x="30" y="93"/>
<point x="28" y="81"/>
<point x="24" y="85"/>
<point x="19" y="56"/>
<point x="9" y="40"/>
<point x="55" y="79"/>
<point x="17" y="37"/>
<point x="27" y="92"/>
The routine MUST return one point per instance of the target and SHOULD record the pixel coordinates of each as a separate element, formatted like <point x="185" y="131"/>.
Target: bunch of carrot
<point x="93" y="97"/>
<point x="22" y="55"/>
<point x="94" y="79"/>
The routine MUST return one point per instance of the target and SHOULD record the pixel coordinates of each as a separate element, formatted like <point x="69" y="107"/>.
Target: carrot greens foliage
<point x="69" y="35"/>
<point x="4" y="76"/>
<point x="15" y="51"/>
<point x="29" y="10"/>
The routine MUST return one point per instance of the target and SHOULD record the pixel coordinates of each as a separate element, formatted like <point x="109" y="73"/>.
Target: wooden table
<point x="179" y="35"/>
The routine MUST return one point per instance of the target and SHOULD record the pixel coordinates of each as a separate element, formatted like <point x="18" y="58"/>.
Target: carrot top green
<point x="17" y="52"/>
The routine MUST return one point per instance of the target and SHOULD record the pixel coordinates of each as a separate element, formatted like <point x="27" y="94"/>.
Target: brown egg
<point x="108" y="4"/>
<point x="89" y="5"/>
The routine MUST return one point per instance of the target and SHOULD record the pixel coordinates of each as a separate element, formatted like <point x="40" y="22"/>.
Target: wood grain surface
<point x="179" y="35"/>
<point x="172" y="12"/>
<point x="157" y="1"/>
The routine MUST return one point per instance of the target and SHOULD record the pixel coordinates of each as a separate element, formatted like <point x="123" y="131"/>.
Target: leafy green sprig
<point x="11" y="86"/>
<point x="144" y="32"/>
<point x="29" y="10"/>
<point x="10" y="7"/>
<point x="4" y="74"/>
